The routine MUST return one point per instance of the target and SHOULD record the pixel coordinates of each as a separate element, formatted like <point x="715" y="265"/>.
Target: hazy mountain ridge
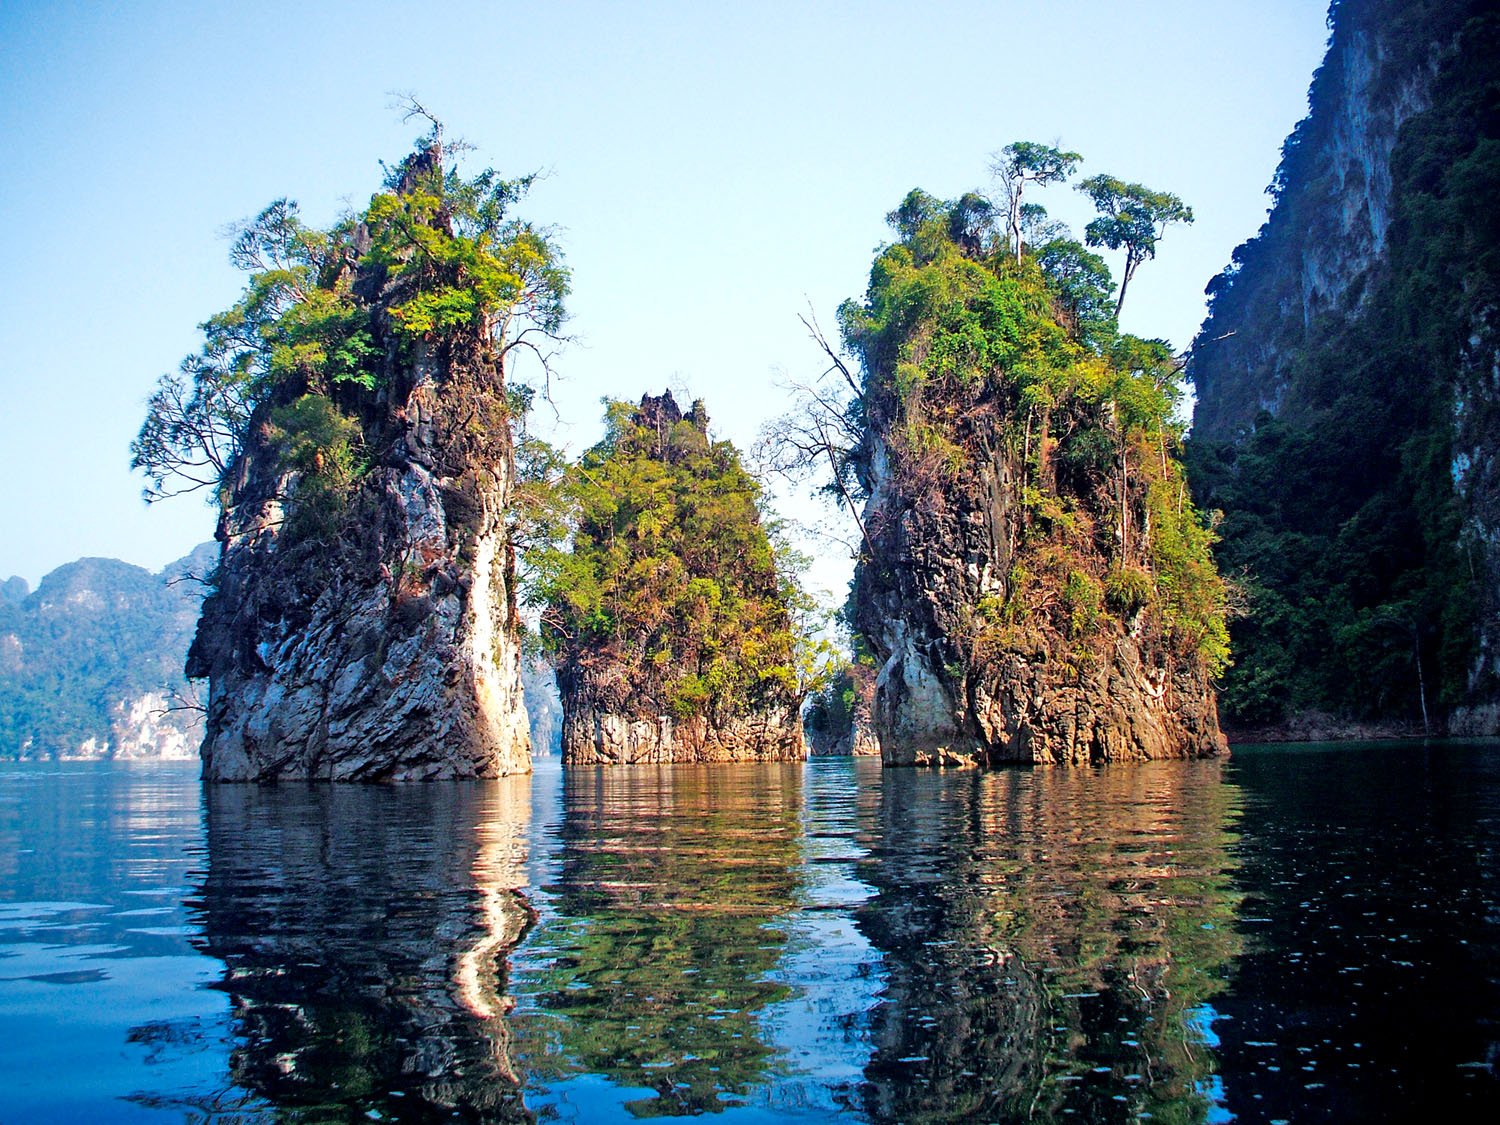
<point x="91" y="661"/>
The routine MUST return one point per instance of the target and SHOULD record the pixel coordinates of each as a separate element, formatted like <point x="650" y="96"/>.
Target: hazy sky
<point x="711" y="169"/>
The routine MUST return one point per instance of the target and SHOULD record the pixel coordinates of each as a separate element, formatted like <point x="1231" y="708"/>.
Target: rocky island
<point x="1033" y="581"/>
<point x="352" y="411"/>
<point x="667" y="613"/>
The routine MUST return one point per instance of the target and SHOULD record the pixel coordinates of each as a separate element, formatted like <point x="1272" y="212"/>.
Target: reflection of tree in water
<point x="655" y="965"/>
<point x="364" y="933"/>
<point x="1050" y="940"/>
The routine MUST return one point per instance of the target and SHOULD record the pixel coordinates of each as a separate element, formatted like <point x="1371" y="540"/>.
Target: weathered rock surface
<point x="388" y="649"/>
<point x="1328" y="230"/>
<point x="592" y="737"/>
<point x="828" y="739"/>
<point x="936" y="704"/>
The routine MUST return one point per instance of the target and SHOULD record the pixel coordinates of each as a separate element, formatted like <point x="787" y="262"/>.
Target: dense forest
<point x="1345" y="415"/>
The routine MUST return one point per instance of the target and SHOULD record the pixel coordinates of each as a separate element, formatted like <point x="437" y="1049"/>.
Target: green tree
<point x="1026" y="162"/>
<point x="1081" y="283"/>
<point x="1132" y="217"/>
<point x="331" y="313"/>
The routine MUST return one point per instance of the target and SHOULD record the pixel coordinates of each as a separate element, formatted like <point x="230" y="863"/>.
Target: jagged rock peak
<point x="363" y="624"/>
<point x="661" y="415"/>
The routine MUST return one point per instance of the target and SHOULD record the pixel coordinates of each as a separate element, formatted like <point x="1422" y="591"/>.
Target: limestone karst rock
<point x="673" y="638"/>
<point x="376" y="637"/>
<point x="1347" y="414"/>
<point x="1033" y="585"/>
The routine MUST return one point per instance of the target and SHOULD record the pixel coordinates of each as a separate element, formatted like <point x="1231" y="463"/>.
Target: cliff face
<point x="1313" y="260"/>
<point x="1347" y="421"/>
<point x="90" y="663"/>
<point x="673" y="636"/>
<point x="374" y="638"/>
<point x="399" y="657"/>
<point x="947" y="697"/>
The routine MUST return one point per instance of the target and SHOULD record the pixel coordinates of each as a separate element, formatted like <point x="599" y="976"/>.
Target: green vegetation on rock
<point x="327" y="316"/>
<point x="1355" y="507"/>
<point x="967" y="353"/>
<point x="668" y="597"/>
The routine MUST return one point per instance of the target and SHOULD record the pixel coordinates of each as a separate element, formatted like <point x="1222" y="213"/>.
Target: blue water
<point x="1294" y="934"/>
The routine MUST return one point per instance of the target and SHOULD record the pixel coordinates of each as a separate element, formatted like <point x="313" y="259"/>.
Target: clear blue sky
<point x="712" y="167"/>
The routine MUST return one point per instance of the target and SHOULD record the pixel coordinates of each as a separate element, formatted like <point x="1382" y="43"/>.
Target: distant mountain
<point x="91" y="662"/>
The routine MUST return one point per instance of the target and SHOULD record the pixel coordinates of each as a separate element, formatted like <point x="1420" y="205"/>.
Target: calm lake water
<point x="1294" y="934"/>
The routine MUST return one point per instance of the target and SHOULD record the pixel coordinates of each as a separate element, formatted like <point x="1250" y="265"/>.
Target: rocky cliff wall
<point x="1348" y="418"/>
<point x="1313" y="259"/>
<point x="943" y="699"/>
<point x="607" y="738"/>
<point x="390" y="650"/>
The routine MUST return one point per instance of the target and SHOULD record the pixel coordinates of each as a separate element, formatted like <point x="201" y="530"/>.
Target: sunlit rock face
<point x="935" y="561"/>
<point x="598" y="738"/>
<point x="364" y="934"/>
<point x="387" y="648"/>
<point x="1051" y="943"/>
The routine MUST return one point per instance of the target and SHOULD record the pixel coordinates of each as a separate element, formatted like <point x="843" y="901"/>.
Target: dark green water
<point x="1296" y="934"/>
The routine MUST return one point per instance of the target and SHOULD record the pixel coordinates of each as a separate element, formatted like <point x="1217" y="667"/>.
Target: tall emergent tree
<point x="1026" y="162"/>
<point x="1131" y="216"/>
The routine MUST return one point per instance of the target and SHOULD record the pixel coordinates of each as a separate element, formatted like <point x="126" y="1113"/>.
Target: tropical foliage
<point x="961" y="349"/>
<point x="669" y="574"/>
<point x="328" y="316"/>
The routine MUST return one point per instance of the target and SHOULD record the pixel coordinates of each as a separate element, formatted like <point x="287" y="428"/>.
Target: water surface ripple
<point x="1294" y="934"/>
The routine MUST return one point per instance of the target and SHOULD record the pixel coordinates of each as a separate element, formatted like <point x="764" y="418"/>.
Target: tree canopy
<point x="1132" y="217"/>
<point x="1026" y="162"/>
<point x="330" y="313"/>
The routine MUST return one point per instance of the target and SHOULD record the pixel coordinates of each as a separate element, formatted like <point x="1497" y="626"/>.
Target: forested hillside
<point x="1347" y="409"/>
<point x="91" y="662"/>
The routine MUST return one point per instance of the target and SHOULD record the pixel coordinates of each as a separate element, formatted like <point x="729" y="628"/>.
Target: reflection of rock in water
<point x="1050" y="939"/>
<point x="654" y="969"/>
<point x="363" y="933"/>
